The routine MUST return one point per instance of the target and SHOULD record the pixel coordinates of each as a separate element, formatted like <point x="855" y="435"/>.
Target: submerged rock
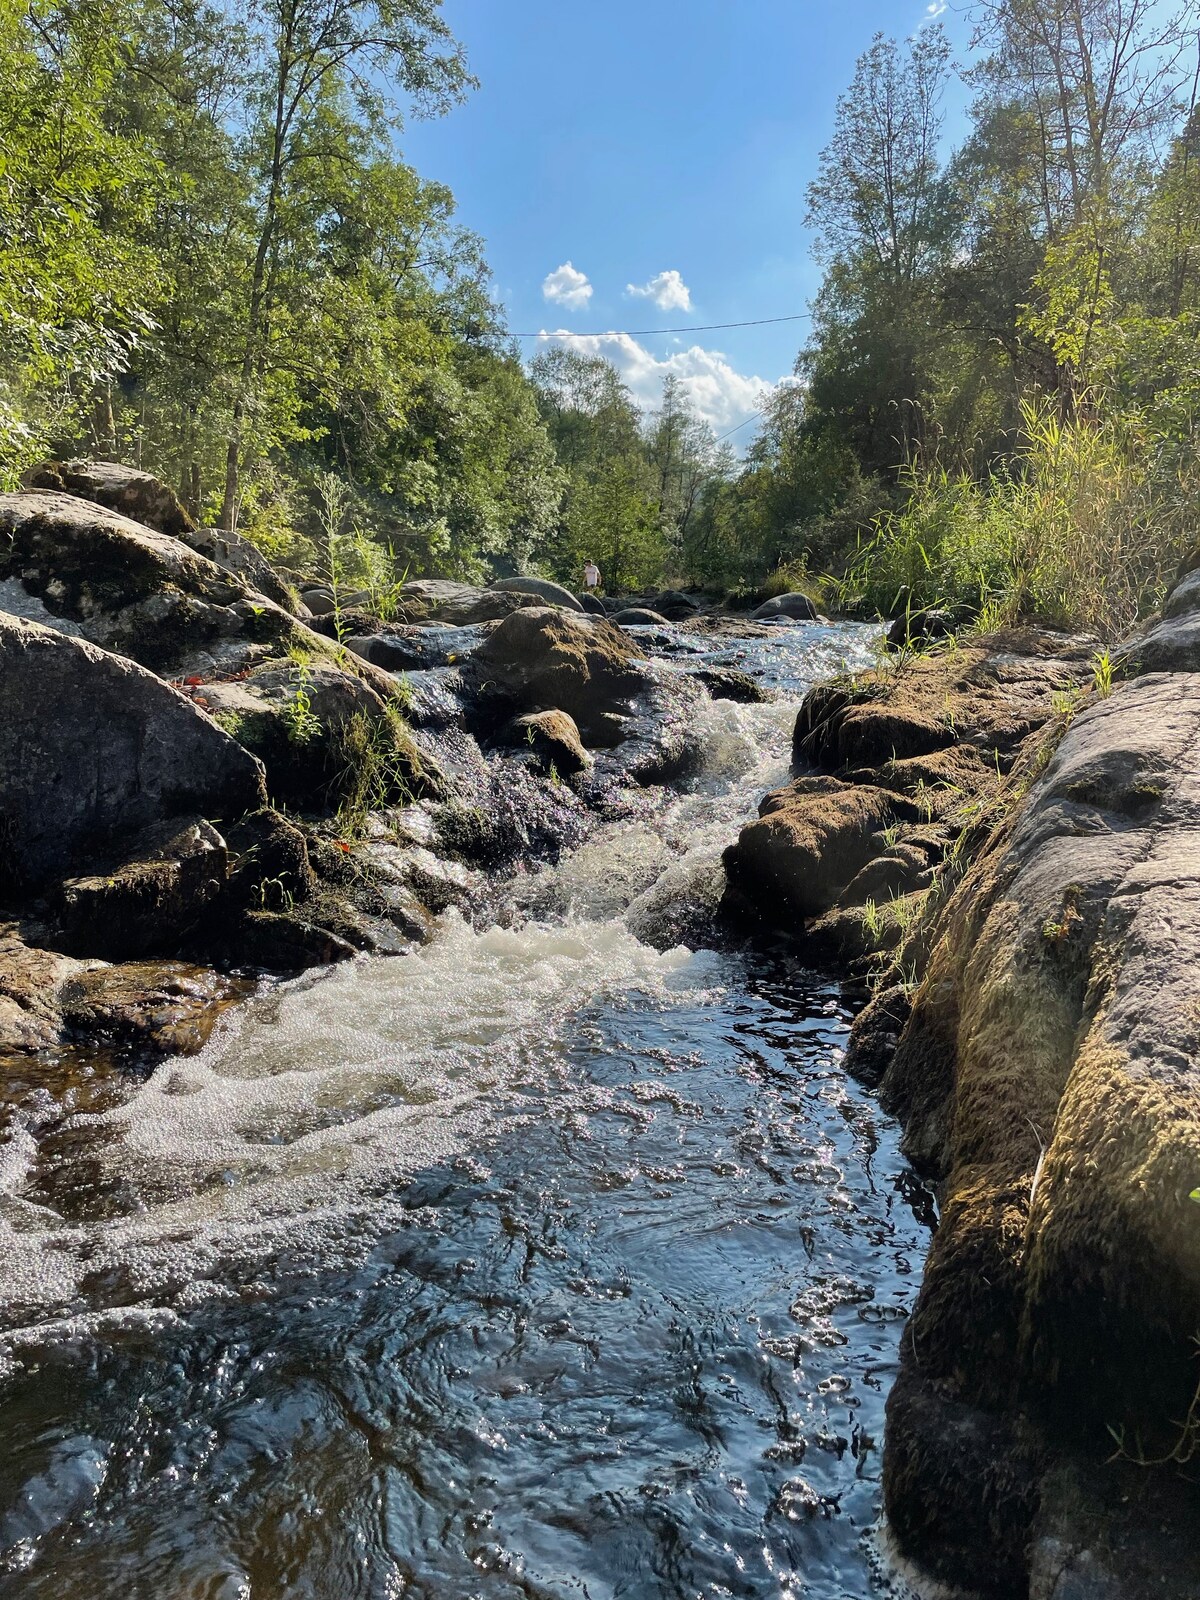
<point x="727" y="683"/>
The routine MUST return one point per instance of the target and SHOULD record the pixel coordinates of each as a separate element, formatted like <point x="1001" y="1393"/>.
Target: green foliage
<point x="300" y="721"/>
<point x="377" y="764"/>
<point x="1079" y="530"/>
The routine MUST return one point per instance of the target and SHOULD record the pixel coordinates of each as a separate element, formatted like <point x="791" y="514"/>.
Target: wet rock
<point x="639" y="617"/>
<point x="47" y="999"/>
<point x="127" y="490"/>
<point x="792" y="607"/>
<point x="876" y="1033"/>
<point x="418" y="648"/>
<point x="551" y="738"/>
<point x="30" y="981"/>
<point x="539" y="657"/>
<point x="149" y="902"/>
<point x="592" y="604"/>
<point x="92" y="746"/>
<point x="540" y="588"/>
<point x="727" y="683"/>
<point x="164" y="1006"/>
<point x="285" y="941"/>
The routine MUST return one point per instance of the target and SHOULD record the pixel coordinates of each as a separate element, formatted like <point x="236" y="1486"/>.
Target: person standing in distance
<point x="591" y="576"/>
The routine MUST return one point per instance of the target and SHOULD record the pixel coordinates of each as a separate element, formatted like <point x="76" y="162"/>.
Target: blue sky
<point x="663" y="146"/>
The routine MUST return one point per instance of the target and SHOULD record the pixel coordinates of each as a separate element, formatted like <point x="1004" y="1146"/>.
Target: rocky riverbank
<point x="1005" y="841"/>
<point x="207" y="776"/>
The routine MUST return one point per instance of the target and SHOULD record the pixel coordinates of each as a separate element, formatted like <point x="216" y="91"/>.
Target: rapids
<point x="557" y="1259"/>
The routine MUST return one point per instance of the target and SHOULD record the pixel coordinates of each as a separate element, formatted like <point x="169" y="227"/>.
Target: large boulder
<point x="92" y="746"/>
<point x="541" y="589"/>
<point x="786" y="607"/>
<point x="639" y="617"/>
<point x="127" y="490"/>
<point x="322" y="734"/>
<point x="674" y="605"/>
<point x="458" y="605"/>
<point x="131" y="589"/>
<point x="541" y="658"/>
<point x="1049" y="1079"/>
<point x="146" y="499"/>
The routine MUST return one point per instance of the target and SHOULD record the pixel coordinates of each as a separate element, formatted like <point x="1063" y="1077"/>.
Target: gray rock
<point x="793" y="607"/>
<point x="127" y="490"/>
<point x="1184" y="598"/>
<point x="458" y="604"/>
<point x="129" y="588"/>
<point x="674" y="605"/>
<point x="639" y="617"/>
<point x="320" y="602"/>
<point x="237" y="555"/>
<point x="93" y="746"/>
<point x="417" y="649"/>
<point x="592" y="604"/>
<point x="542" y="588"/>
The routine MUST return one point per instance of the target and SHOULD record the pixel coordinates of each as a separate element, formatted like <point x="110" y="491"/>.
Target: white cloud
<point x="666" y="289"/>
<point x="567" y="286"/>
<point x="722" y="395"/>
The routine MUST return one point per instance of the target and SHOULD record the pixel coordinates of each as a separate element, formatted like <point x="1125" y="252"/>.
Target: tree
<point x="879" y="197"/>
<point x="317" y="62"/>
<point x="77" y="293"/>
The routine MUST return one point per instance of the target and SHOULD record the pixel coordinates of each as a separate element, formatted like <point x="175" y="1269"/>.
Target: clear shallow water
<point x="560" y="1259"/>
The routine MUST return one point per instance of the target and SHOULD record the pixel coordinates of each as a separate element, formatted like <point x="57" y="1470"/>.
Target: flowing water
<point x="559" y="1259"/>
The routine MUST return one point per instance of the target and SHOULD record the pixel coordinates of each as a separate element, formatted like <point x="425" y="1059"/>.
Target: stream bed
<point x="558" y="1259"/>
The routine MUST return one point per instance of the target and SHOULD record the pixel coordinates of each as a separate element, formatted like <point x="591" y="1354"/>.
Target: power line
<point x="643" y="333"/>
<point x="751" y="418"/>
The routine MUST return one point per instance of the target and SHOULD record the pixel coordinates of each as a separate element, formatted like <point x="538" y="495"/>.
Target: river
<point x="558" y="1259"/>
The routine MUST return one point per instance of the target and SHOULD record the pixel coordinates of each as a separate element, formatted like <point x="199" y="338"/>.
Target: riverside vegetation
<point x="265" y="442"/>
<point x="218" y="266"/>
